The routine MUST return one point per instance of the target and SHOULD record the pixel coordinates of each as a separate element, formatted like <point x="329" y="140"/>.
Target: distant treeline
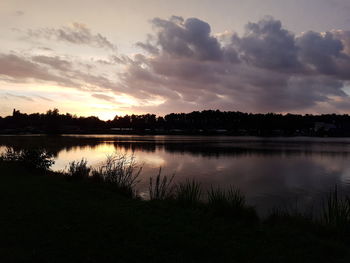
<point x="204" y="122"/>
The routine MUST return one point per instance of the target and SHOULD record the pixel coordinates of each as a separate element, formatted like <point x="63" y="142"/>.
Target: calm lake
<point x="272" y="172"/>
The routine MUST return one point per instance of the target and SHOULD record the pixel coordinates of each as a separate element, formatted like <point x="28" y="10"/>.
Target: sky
<point x="113" y="57"/>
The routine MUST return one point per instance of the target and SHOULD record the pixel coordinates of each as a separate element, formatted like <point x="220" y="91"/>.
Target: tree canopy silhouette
<point x="197" y="122"/>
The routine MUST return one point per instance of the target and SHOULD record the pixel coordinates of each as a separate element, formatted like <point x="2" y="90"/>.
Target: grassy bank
<point x="49" y="218"/>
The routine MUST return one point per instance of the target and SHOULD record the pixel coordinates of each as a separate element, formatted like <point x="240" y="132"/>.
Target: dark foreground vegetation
<point x="204" y="122"/>
<point x="89" y="214"/>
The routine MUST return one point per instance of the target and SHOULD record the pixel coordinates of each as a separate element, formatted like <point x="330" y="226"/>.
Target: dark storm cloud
<point x="320" y="51"/>
<point x="189" y="38"/>
<point x="267" y="45"/>
<point x="78" y="34"/>
<point x="266" y="69"/>
<point x="344" y="37"/>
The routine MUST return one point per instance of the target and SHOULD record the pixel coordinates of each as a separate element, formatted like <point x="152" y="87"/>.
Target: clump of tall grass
<point x="335" y="213"/>
<point x="188" y="193"/>
<point x="78" y="169"/>
<point x="230" y="202"/>
<point x="121" y="171"/>
<point x="291" y="216"/>
<point x="161" y="188"/>
<point x="336" y="210"/>
<point x="30" y="158"/>
<point x="231" y="198"/>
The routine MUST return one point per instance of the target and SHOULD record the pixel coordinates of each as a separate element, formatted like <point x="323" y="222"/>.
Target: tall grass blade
<point x="336" y="210"/>
<point x="188" y="193"/>
<point x="161" y="188"/>
<point x="78" y="169"/>
<point x="121" y="171"/>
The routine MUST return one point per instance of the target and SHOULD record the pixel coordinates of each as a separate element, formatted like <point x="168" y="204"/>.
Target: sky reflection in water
<point x="271" y="172"/>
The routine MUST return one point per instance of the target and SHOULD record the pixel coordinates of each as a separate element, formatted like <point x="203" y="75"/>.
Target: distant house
<point x="121" y="129"/>
<point x="322" y="126"/>
<point x="176" y="130"/>
<point x="220" y="130"/>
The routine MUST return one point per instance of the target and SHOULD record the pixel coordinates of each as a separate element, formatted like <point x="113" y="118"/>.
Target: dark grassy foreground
<point x="47" y="218"/>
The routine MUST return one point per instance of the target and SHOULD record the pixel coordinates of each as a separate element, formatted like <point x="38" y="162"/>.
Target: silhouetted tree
<point x="204" y="122"/>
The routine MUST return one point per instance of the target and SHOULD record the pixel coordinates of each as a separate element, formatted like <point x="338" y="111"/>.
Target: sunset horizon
<point x="175" y="131"/>
<point x="161" y="58"/>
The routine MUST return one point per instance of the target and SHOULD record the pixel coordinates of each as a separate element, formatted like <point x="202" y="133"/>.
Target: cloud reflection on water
<point x="271" y="172"/>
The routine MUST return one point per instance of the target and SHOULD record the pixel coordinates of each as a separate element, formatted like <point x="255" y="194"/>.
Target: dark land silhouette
<point x="204" y="122"/>
<point x="93" y="216"/>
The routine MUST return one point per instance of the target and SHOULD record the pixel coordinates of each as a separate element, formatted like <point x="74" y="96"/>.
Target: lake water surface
<point x="293" y="172"/>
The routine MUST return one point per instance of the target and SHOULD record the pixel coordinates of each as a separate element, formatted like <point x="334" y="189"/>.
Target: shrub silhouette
<point x="30" y="158"/>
